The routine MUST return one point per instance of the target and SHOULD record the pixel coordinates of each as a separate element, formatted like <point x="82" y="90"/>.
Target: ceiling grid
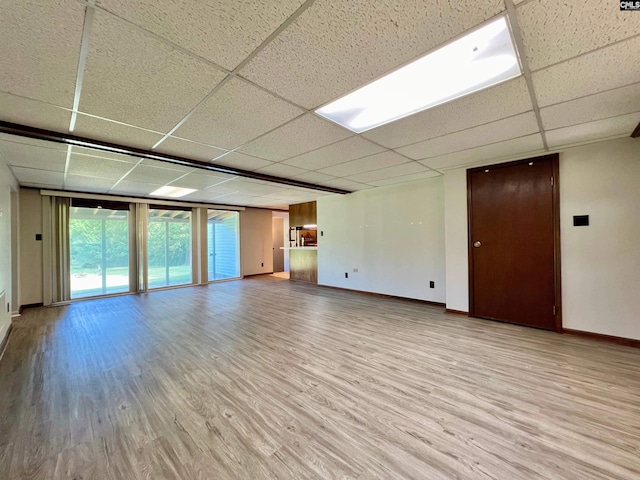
<point x="234" y="85"/>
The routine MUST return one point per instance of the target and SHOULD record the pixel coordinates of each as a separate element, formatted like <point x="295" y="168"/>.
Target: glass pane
<point x="169" y="248"/>
<point x="222" y="241"/>
<point x="99" y="251"/>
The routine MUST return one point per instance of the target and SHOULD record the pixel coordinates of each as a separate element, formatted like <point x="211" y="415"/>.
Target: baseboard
<point x="629" y="342"/>
<point x="428" y="302"/>
<point x="5" y="340"/>
<point x="456" y="312"/>
<point x="29" y="305"/>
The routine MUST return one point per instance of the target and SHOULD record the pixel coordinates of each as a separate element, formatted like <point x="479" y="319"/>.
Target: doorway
<point x="280" y="236"/>
<point x="15" y="275"/>
<point x="514" y="242"/>
<point x="223" y="245"/>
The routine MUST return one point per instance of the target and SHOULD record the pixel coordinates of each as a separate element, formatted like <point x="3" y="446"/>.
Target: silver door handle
<point x="477" y="244"/>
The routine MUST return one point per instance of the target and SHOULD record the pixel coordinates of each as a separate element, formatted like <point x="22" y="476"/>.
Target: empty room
<point x="321" y="239"/>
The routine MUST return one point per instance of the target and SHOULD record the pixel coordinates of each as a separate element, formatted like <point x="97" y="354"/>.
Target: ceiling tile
<point x="98" y="167"/>
<point x="314" y="177"/>
<point x="200" y="180"/>
<point x="242" y="161"/>
<point x="223" y="188"/>
<point x="5" y="137"/>
<point x="518" y="126"/>
<point x="254" y="189"/>
<point x="285" y="194"/>
<point x="40" y="49"/>
<point x="594" y="107"/>
<point x="236" y="113"/>
<point x="39" y="177"/>
<point x="198" y="196"/>
<point x="93" y="152"/>
<point x="502" y="101"/>
<point x="33" y="113"/>
<point x="134" y="188"/>
<point x="360" y="186"/>
<point x="390" y="172"/>
<point x="555" y="31"/>
<point x="223" y="31"/>
<point x="168" y="165"/>
<point x="299" y="136"/>
<point x="33" y="157"/>
<point x="366" y="164"/>
<point x="495" y="152"/>
<point x="187" y="149"/>
<point x="235" y="199"/>
<point x="406" y="178"/>
<point x="87" y="183"/>
<point x="280" y="170"/>
<point x="113" y="132"/>
<point x="156" y="175"/>
<point x="340" y="152"/>
<point x="591" y="73"/>
<point x="340" y="183"/>
<point x="368" y="39"/>
<point x="592" y="131"/>
<point x="135" y="78"/>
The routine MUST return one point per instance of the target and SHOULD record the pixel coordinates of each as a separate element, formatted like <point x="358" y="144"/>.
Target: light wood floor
<point x="266" y="378"/>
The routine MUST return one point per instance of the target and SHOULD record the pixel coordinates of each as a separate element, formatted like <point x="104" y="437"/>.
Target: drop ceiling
<point x="235" y="84"/>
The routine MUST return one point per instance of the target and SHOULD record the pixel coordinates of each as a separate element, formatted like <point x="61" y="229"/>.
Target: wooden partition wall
<point x="303" y="262"/>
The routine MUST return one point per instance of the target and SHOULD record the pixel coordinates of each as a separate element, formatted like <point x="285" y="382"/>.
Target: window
<point x="169" y="247"/>
<point x="98" y="248"/>
<point x="222" y="245"/>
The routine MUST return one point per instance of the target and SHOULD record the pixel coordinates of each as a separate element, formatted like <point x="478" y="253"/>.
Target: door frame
<point x="555" y="163"/>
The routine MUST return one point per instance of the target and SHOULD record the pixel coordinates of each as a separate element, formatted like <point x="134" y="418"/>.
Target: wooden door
<point x="514" y="242"/>
<point x="278" y="243"/>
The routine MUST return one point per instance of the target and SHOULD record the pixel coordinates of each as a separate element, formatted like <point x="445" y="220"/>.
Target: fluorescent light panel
<point x="174" y="192"/>
<point x="480" y="59"/>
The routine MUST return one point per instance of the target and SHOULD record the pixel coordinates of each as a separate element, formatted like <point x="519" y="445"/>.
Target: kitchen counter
<point x="299" y="248"/>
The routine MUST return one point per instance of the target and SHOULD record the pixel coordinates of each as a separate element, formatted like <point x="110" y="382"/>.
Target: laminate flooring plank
<point x="266" y="378"/>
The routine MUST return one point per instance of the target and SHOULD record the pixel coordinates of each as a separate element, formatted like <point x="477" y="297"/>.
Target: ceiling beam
<point x="75" y="140"/>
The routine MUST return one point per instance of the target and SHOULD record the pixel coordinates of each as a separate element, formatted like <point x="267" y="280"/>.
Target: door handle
<point x="477" y="244"/>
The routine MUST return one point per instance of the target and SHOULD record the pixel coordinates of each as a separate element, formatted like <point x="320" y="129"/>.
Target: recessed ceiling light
<point x="175" y="192"/>
<point x="480" y="59"/>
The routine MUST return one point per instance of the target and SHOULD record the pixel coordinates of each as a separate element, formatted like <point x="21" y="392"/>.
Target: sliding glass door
<point x="223" y="245"/>
<point x="98" y="249"/>
<point x="169" y="247"/>
<point x="116" y="247"/>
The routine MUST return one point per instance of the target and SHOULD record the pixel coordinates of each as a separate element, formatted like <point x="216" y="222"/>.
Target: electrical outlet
<point x="346" y="274"/>
<point x="355" y="270"/>
<point x="432" y="284"/>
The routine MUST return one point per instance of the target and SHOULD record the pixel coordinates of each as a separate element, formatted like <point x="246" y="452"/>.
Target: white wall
<point x="256" y="241"/>
<point x="393" y="235"/>
<point x="601" y="262"/>
<point x="455" y="221"/>
<point x="30" y="248"/>
<point x="7" y="183"/>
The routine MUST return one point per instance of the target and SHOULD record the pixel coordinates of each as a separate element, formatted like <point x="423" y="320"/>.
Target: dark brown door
<point x="512" y="235"/>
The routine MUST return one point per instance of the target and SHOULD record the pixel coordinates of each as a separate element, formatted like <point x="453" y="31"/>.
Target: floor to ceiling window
<point x="223" y="244"/>
<point x="169" y="247"/>
<point x="102" y="247"/>
<point x="98" y="248"/>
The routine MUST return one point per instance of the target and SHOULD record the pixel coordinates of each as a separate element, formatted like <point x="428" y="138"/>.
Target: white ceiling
<point x="235" y="83"/>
